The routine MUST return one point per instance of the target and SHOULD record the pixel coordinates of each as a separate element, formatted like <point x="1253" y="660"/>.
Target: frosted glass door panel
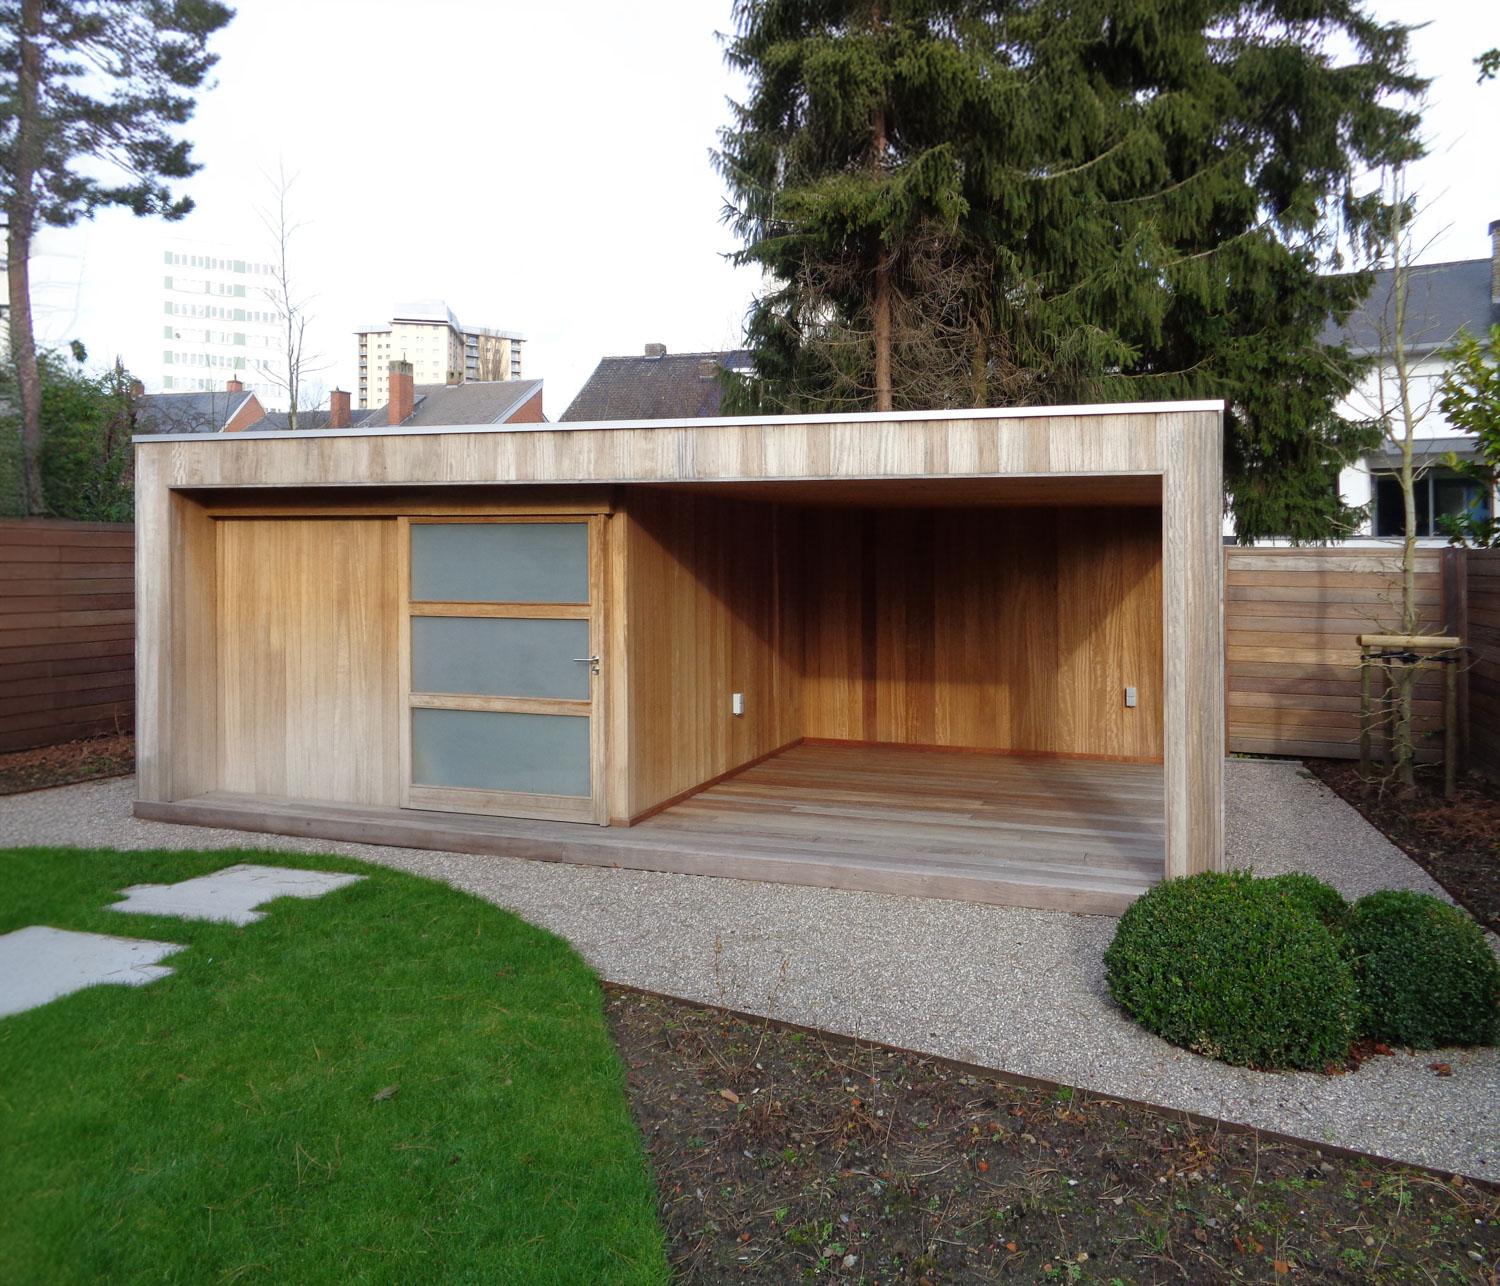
<point x="529" y="754"/>
<point x="500" y="562"/>
<point x="500" y="656"/>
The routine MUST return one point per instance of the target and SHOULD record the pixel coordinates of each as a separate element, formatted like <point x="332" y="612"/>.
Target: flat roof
<point x="717" y="421"/>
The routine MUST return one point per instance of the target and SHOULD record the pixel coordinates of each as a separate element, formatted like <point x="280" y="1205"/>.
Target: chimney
<point x="402" y="395"/>
<point x="234" y="386"/>
<point x="1495" y="264"/>
<point x="338" y="409"/>
<point x="707" y="368"/>
<point x="656" y="350"/>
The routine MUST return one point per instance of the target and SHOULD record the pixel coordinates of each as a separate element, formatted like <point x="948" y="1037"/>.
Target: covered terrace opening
<point x="922" y="687"/>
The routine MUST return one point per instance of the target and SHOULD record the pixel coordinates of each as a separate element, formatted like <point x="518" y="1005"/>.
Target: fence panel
<point x="67" y="631"/>
<point x="1291" y="618"/>
<point x="1482" y="578"/>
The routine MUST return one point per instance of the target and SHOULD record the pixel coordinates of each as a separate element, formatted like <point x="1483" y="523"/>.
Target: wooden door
<point x="502" y="687"/>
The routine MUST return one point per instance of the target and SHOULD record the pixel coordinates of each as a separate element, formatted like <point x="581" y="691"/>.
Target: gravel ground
<point x="1021" y="991"/>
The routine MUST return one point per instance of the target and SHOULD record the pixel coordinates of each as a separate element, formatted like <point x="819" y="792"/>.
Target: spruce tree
<point x="90" y="93"/>
<point x="964" y="204"/>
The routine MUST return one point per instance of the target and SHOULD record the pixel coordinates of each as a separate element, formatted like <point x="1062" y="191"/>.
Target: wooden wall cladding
<point x="1481" y="572"/>
<point x="308" y="617"/>
<point x="67" y="631"/>
<point x="705" y="615"/>
<point x="1291" y="618"/>
<point x="999" y="629"/>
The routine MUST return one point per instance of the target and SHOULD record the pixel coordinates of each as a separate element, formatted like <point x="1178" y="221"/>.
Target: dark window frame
<point x="1425" y="487"/>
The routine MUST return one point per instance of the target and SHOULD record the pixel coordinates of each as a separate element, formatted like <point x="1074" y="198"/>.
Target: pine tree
<point x="89" y="87"/>
<point x="963" y="204"/>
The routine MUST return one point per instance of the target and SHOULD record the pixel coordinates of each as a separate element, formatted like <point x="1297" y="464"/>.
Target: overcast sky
<point x="544" y="167"/>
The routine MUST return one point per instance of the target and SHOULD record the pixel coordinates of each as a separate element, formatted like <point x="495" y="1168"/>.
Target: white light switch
<point x="1130" y="698"/>
<point x="737" y="703"/>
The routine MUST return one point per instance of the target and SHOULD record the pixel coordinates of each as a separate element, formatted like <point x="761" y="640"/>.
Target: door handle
<point x="591" y="661"/>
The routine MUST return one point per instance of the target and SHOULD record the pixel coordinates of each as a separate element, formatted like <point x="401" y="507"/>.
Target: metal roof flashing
<point x="721" y="421"/>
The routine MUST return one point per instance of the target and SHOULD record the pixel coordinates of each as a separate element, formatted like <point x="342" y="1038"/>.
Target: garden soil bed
<point x="62" y="765"/>
<point x="1455" y="841"/>
<point x="781" y="1155"/>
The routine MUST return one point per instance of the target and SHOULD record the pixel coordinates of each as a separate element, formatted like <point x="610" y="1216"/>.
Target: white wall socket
<point x="1130" y="698"/>
<point x="737" y="704"/>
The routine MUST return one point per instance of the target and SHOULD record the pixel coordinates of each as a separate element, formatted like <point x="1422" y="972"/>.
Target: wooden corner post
<point x="1191" y="445"/>
<point x="176" y="665"/>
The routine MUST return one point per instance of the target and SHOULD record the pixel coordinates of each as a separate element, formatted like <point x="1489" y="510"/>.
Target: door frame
<point x="462" y="799"/>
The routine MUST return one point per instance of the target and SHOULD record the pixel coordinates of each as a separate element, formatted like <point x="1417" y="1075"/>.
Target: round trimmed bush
<point x="1236" y="968"/>
<point x="1426" y="974"/>
<point x="1323" y="902"/>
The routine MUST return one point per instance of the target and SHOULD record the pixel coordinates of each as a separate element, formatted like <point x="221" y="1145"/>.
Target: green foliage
<point x="86" y="452"/>
<point x="1096" y="201"/>
<point x="1427" y="976"/>
<point x="1236" y="968"/>
<point x="1471" y="402"/>
<point x="1309" y="894"/>
<point x="396" y="1082"/>
<point x="112" y="86"/>
<point x="94" y="93"/>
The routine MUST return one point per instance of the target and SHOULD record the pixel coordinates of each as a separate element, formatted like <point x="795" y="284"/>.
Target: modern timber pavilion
<point x="962" y="654"/>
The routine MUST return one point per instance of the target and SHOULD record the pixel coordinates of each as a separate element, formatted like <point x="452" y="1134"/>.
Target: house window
<point x="1438" y="492"/>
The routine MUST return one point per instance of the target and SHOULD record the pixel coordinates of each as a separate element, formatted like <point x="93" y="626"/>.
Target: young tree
<point x="1396" y="402"/>
<point x="295" y="364"/>
<point x="87" y="421"/>
<point x="1104" y="199"/>
<point x="1471" y="402"/>
<point x="85" y="82"/>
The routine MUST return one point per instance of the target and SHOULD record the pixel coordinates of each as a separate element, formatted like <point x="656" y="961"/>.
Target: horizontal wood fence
<point x="1480" y="576"/>
<point x="1291" y="618"/>
<point x="67" y="631"/>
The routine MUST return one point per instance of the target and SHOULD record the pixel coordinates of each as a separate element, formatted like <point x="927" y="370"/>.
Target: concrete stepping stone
<point x="38" y="964"/>
<point x="230" y="896"/>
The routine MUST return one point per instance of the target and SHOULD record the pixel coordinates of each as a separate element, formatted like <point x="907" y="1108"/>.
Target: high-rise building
<point x="218" y="321"/>
<point x="440" y="349"/>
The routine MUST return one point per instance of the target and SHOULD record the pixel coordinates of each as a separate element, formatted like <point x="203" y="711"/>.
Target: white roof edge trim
<point x="709" y="422"/>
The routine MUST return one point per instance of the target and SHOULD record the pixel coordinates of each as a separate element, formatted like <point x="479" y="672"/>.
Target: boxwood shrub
<point x="1426" y="974"/>
<point x="1322" y="901"/>
<point x="1239" y="969"/>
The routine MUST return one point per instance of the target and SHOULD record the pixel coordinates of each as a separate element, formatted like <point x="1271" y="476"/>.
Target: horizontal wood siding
<point x="1482" y="575"/>
<point x="1291" y="618"/>
<point x="67" y="631"/>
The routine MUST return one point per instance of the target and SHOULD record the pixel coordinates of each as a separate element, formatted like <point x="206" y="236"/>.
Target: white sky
<point x="544" y="168"/>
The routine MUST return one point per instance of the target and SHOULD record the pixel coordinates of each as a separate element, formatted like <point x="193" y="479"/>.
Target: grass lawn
<point x="392" y="1082"/>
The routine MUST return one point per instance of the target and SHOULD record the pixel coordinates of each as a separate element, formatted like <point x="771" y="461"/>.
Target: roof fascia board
<point x="718" y="421"/>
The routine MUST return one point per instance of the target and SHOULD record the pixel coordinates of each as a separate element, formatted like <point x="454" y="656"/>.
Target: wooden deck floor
<point x="1070" y="835"/>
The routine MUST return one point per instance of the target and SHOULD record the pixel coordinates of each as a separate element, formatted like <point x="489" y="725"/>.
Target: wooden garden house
<point x="967" y="654"/>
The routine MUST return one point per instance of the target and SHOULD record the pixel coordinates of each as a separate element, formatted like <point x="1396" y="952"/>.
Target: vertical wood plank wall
<point x="1192" y="643"/>
<point x="1292" y="617"/>
<point x="1482" y="575"/>
<point x="308" y="620"/>
<point x="704" y="616"/>
<point x="997" y="629"/>
<point x="67" y="629"/>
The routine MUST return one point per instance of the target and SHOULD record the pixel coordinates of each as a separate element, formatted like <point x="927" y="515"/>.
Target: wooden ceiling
<point x="1143" y="489"/>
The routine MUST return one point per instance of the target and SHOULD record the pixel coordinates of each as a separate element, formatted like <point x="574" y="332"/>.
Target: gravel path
<point x="1018" y="990"/>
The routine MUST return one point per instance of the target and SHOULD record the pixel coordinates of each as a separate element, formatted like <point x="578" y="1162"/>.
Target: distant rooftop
<point x="472" y="402"/>
<point x="189" y="412"/>
<point x="430" y="312"/>
<point x="656" y="385"/>
<point x="1442" y="299"/>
